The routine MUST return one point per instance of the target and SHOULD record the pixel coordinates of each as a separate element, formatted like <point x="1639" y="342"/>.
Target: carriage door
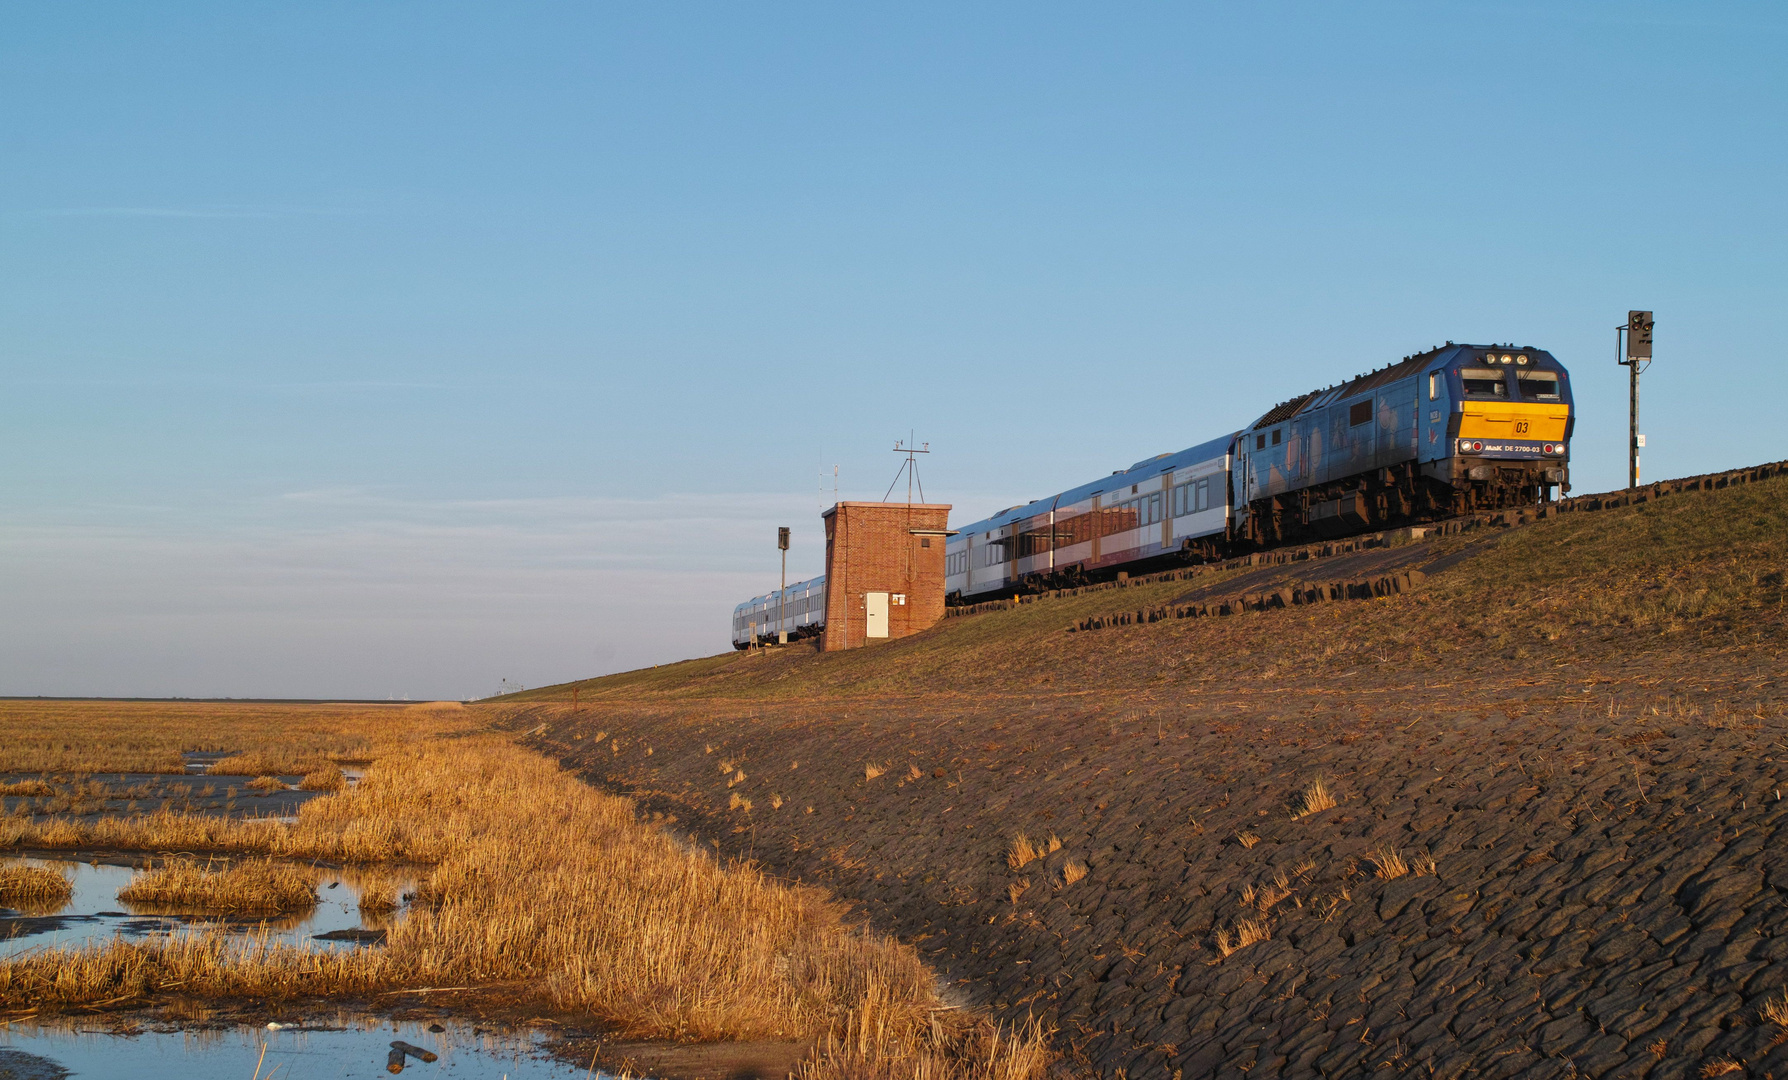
<point x="876" y="604"/>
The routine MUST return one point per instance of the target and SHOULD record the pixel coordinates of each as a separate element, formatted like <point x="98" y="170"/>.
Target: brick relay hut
<point x="884" y="571"/>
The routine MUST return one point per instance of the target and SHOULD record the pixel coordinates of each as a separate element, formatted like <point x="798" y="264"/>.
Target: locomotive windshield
<point x="1487" y="382"/>
<point x="1537" y="385"/>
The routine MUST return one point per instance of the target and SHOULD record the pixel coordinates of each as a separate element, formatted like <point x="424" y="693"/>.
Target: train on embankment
<point x="1449" y="431"/>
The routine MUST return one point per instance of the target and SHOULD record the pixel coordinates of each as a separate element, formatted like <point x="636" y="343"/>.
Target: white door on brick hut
<point x="876" y="604"/>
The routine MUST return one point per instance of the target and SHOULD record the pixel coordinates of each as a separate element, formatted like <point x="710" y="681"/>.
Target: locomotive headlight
<point x="1506" y="358"/>
<point x="1522" y="359"/>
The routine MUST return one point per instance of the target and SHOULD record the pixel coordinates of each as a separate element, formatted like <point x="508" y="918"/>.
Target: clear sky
<point x="396" y="349"/>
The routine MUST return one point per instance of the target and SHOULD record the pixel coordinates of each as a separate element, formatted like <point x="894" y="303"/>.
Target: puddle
<point x="342" y="1049"/>
<point x="199" y="762"/>
<point x="94" y="914"/>
<point x="88" y="796"/>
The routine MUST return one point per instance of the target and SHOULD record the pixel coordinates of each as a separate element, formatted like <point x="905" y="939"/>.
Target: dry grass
<point x="213" y="965"/>
<point x="27" y="789"/>
<point x="1024" y="850"/>
<point x="1072" y="870"/>
<point x="1314" y="799"/>
<point x="326" y="777"/>
<point x="1247" y="932"/>
<point x="1246" y="839"/>
<point x="1775" y="1010"/>
<point x="873" y="769"/>
<point x="267" y="783"/>
<point x="1386" y="863"/>
<point x="33" y="887"/>
<point x="1720" y="1066"/>
<point x="148" y="737"/>
<point x="249" y="887"/>
<point x="880" y="1040"/>
<point x="540" y="881"/>
<point x="378" y="898"/>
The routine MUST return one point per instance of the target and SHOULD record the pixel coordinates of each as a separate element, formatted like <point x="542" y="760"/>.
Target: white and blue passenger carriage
<point x="1168" y="505"/>
<point x="799" y="611"/>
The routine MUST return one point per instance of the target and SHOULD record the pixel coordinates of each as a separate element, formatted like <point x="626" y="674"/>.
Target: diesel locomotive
<point x="1450" y="431"/>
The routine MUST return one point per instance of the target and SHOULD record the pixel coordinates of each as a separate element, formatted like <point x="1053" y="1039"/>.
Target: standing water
<point x="348" y="1048"/>
<point x="94" y="914"/>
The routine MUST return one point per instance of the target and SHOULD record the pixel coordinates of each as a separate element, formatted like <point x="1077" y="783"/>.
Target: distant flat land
<point x="1558" y="764"/>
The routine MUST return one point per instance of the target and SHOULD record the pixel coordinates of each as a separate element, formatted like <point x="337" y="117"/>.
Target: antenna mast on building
<point x="909" y="467"/>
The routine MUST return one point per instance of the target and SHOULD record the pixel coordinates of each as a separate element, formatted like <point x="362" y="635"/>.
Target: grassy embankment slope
<point x="1554" y="847"/>
<point x="1699" y="570"/>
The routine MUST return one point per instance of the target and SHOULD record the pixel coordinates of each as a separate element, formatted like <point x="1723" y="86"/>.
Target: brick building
<point x="884" y="571"/>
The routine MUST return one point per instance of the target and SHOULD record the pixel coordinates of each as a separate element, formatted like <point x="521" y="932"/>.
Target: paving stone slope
<point x="1607" y="894"/>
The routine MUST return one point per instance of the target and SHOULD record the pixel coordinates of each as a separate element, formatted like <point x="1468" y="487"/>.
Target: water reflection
<point x="342" y="1047"/>
<point x="94" y="914"/>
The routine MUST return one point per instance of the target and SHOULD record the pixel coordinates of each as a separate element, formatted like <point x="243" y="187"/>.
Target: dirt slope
<point x="1554" y="851"/>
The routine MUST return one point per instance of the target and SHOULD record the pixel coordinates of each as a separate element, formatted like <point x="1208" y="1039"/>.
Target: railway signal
<point x="782" y="593"/>
<point x="1635" y="357"/>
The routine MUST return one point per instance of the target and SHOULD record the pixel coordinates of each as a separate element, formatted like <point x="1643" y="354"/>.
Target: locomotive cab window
<point x="1260" y="442"/>
<point x="1277" y="432"/>
<point x="1542" y="385"/>
<point x="1434" y="386"/>
<point x="1485" y="382"/>
<point x="1359" y="413"/>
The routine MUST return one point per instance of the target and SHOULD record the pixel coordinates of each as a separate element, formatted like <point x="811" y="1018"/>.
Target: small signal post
<point x="782" y="594"/>
<point x="1635" y="357"/>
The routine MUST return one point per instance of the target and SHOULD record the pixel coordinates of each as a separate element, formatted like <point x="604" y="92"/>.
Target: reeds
<point x="378" y="898"/>
<point x="325" y="777"/>
<point x="250" y="887"/>
<point x="27" y="789"/>
<point x="1247" y="932"/>
<point x="148" y="737"/>
<point x="1314" y="799"/>
<point x="882" y="1040"/>
<point x="33" y="887"/>
<point x="1386" y="863"/>
<point x="267" y="783"/>
<point x="1024" y="850"/>
<point x="543" y="881"/>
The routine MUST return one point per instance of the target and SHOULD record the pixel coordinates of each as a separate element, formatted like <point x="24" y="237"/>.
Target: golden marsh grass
<point x="539" y="881"/>
<point x="149" y="736"/>
<point x="249" y="887"/>
<point x="33" y="887"/>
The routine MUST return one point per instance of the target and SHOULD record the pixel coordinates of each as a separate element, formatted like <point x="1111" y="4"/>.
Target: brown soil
<point x="1574" y="743"/>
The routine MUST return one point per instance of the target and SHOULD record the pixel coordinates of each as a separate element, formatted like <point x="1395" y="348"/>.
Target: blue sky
<point x="365" y="350"/>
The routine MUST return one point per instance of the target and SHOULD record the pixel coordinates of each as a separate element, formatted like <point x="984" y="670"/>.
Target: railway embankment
<point x="1524" y="818"/>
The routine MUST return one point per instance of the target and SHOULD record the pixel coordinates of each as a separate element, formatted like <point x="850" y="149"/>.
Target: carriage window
<point x="1260" y="442"/>
<point x="1485" y="381"/>
<point x="1204" y="495"/>
<point x="1537" y="384"/>
<point x="1360" y="412"/>
<point x="1276" y="433"/>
